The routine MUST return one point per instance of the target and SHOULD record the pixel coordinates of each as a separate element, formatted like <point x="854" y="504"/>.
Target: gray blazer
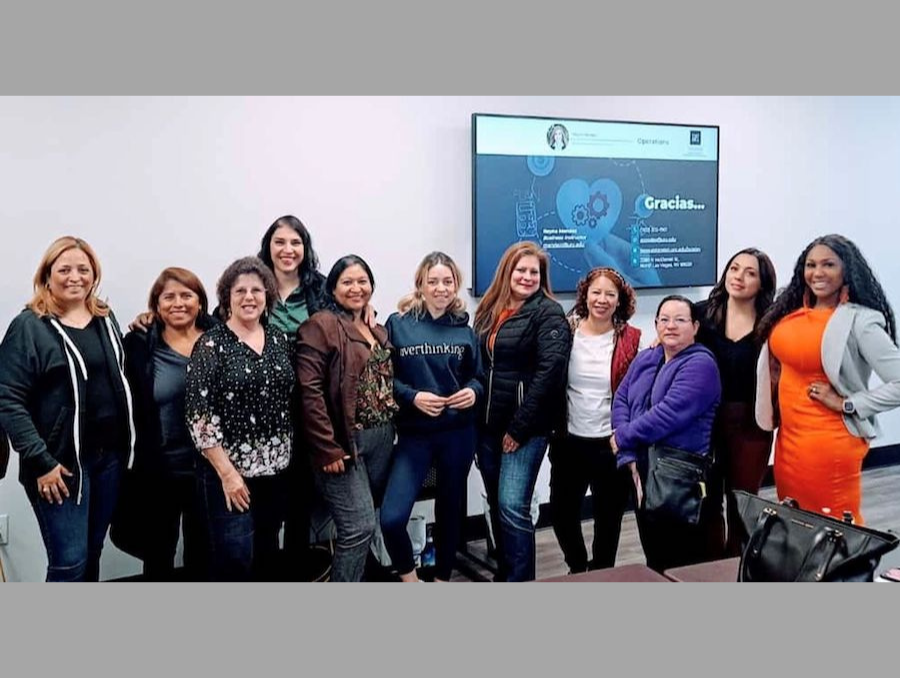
<point x="854" y="344"/>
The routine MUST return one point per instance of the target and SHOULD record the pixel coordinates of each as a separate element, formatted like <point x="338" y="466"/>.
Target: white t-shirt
<point x="589" y="392"/>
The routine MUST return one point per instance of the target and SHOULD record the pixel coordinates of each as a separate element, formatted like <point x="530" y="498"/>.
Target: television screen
<point x="641" y="198"/>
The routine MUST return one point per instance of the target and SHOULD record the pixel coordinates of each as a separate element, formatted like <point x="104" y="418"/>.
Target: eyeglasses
<point x="662" y="321"/>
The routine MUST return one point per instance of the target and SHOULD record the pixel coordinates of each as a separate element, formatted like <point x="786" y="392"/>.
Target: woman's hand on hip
<point x="822" y="391"/>
<point x="52" y="487"/>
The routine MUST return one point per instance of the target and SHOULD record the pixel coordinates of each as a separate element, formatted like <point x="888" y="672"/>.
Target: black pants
<point x="176" y="505"/>
<point x="300" y="491"/>
<point x="668" y="543"/>
<point x="743" y="450"/>
<point x="577" y="463"/>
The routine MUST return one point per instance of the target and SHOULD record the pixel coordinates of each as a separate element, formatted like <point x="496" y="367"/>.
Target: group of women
<point x="290" y="388"/>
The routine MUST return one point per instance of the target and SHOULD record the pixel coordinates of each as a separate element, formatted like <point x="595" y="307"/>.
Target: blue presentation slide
<point x="652" y="219"/>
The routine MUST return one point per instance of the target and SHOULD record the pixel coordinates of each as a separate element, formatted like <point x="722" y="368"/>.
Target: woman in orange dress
<point x="826" y="333"/>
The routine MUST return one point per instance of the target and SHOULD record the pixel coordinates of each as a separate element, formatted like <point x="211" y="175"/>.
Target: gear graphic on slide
<point x="580" y="215"/>
<point x="592" y="222"/>
<point x="595" y="201"/>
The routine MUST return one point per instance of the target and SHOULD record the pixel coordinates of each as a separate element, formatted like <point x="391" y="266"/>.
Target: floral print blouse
<point x="375" y="404"/>
<point x="240" y="400"/>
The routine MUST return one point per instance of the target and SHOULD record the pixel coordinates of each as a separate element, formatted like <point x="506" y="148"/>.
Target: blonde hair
<point x="43" y="302"/>
<point x="414" y="302"/>
<point x="499" y="294"/>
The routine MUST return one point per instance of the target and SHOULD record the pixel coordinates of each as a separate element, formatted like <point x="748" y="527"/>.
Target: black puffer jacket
<point x="525" y="374"/>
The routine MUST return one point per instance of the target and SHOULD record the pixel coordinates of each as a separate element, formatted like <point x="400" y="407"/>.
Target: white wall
<point x="193" y="182"/>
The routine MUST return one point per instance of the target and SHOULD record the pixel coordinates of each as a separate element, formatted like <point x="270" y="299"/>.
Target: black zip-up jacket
<point x="38" y="404"/>
<point x="139" y="348"/>
<point x="525" y="374"/>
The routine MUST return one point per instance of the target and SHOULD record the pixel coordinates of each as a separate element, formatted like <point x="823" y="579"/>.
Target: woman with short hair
<point x="666" y="405"/>
<point x="238" y="398"/>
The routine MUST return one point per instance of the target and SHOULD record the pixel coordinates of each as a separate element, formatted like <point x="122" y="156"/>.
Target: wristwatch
<point x="848" y="407"/>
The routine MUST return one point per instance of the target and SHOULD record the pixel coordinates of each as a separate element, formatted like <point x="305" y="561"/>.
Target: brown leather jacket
<point x="330" y="357"/>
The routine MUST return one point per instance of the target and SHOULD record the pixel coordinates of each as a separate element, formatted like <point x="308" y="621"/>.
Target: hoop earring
<point x="845" y="294"/>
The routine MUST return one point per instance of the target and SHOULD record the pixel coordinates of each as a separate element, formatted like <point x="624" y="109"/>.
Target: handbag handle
<point x="827" y="540"/>
<point x="755" y="544"/>
<point x="813" y="567"/>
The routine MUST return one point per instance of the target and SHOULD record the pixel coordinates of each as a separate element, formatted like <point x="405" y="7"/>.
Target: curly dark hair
<point x="245" y="266"/>
<point x="718" y="297"/>
<point x="627" y="297"/>
<point x="862" y="286"/>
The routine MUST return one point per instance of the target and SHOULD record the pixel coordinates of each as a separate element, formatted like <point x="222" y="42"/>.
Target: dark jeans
<point x="509" y="480"/>
<point x="577" y="463"/>
<point x="243" y="546"/>
<point x="352" y="497"/>
<point x="743" y="454"/>
<point x="176" y="508"/>
<point x="73" y="532"/>
<point x="451" y="453"/>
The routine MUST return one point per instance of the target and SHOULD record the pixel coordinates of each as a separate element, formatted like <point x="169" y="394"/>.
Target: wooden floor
<point x="881" y="510"/>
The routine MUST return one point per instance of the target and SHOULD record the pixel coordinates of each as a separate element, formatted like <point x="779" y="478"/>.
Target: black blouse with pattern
<point x="240" y="400"/>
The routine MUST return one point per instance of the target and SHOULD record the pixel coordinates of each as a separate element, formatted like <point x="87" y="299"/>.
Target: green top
<point x="288" y="315"/>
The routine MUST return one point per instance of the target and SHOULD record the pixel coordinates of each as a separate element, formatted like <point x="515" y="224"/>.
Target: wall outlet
<point x="4" y="529"/>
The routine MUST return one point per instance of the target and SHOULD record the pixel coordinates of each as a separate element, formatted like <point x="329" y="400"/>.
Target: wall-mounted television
<point x="640" y="197"/>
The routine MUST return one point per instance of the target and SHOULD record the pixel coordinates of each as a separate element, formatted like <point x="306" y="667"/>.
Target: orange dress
<point x="818" y="461"/>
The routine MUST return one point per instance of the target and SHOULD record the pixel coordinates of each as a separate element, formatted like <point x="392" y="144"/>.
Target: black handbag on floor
<point x="785" y="543"/>
<point x="676" y="484"/>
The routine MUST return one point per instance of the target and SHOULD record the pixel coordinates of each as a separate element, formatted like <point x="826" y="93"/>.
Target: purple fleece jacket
<point x="681" y="407"/>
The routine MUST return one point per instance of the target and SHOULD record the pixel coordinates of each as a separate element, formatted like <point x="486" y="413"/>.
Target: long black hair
<point x="860" y="282"/>
<point x="331" y="281"/>
<point x="309" y="267"/>
<point x="717" y="304"/>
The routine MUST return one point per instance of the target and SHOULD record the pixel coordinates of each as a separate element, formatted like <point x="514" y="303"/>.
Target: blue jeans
<point x="351" y="498"/>
<point x="451" y="452"/>
<point x="74" y="533"/>
<point x="243" y="546"/>
<point x="509" y="480"/>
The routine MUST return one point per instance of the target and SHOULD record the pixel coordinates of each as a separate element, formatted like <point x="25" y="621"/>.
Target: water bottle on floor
<point x="428" y="553"/>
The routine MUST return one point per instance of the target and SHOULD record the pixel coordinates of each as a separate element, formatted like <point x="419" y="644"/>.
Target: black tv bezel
<point x="473" y="289"/>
